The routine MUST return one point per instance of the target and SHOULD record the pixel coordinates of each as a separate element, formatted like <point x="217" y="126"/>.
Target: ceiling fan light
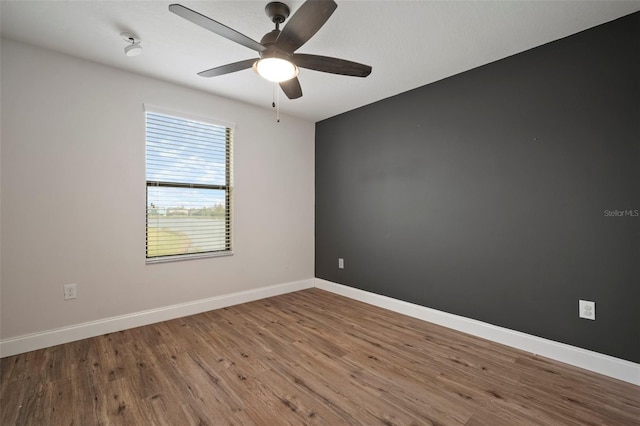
<point x="276" y="69"/>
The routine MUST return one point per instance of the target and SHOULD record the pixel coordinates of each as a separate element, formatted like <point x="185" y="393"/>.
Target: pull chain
<point x="277" y="106"/>
<point x="275" y="103"/>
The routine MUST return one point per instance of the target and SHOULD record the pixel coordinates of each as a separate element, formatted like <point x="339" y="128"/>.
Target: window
<point x="188" y="165"/>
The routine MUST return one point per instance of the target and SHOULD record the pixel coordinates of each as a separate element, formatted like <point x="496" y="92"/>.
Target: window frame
<point x="227" y="187"/>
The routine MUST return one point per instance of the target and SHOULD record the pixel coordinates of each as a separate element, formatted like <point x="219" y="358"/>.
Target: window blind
<point x="188" y="173"/>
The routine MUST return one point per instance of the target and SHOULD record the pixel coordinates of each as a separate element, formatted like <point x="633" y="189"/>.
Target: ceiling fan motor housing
<point x="269" y="38"/>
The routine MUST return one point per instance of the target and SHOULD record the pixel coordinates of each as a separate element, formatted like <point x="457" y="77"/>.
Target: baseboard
<point x="31" y="342"/>
<point x="603" y="364"/>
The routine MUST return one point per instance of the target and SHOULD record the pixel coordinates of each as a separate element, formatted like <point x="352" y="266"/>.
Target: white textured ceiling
<point x="408" y="43"/>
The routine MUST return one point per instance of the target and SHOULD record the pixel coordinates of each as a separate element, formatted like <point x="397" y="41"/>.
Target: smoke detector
<point x="133" y="48"/>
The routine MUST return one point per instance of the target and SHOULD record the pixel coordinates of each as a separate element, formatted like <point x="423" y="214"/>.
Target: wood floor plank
<point x="309" y="357"/>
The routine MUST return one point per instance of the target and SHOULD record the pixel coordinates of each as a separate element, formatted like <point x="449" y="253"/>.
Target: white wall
<point x="73" y="195"/>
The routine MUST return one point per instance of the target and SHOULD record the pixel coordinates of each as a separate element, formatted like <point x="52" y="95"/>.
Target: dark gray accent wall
<point x="486" y="194"/>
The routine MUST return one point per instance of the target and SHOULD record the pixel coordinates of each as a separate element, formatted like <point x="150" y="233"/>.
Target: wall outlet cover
<point x="587" y="309"/>
<point x="69" y="291"/>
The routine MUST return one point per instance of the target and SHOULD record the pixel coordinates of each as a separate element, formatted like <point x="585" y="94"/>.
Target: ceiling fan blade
<point x="307" y="20"/>
<point x="229" y="68"/>
<point x="330" y="65"/>
<point x="216" y="27"/>
<point x="292" y="88"/>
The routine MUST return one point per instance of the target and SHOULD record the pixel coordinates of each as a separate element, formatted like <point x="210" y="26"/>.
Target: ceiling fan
<point x="277" y="61"/>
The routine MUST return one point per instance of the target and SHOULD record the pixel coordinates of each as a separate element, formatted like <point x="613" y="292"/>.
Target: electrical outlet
<point x="340" y="263"/>
<point x="69" y="291"/>
<point x="587" y="309"/>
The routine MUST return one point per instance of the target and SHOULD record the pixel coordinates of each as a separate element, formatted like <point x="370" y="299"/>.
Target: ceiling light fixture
<point x="275" y="69"/>
<point x="134" y="48"/>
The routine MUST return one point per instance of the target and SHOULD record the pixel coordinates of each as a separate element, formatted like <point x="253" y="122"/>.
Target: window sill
<point x="182" y="257"/>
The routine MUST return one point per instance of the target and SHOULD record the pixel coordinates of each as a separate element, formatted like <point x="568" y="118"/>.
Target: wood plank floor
<point x="309" y="357"/>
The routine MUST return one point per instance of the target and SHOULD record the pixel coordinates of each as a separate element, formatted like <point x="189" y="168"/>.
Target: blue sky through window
<point x="185" y="152"/>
